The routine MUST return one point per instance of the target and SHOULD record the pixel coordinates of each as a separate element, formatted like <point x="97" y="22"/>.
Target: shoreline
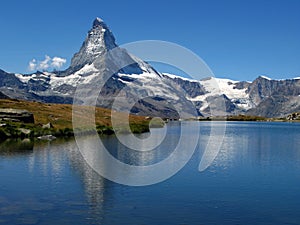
<point x="21" y="131"/>
<point x="56" y="120"/>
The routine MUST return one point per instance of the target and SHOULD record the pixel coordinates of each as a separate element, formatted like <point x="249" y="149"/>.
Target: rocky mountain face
<point x="274" y="98"/>
<point x="101" y="64"/>
<point x="97" y="43"/>
<point x="262" y="97"/>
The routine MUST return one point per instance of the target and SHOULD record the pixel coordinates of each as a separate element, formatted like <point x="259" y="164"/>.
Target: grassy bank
<point x="60" y="117"/>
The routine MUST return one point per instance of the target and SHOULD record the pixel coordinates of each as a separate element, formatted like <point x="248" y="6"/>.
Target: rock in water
<point x="47" y="137"/>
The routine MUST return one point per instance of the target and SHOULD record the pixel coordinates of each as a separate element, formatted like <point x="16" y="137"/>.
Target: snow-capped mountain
<point x="98" y="42"/>
<point x="262" y="97"/>
<point x="146" y="89"/>
<point x="148" y="92"/>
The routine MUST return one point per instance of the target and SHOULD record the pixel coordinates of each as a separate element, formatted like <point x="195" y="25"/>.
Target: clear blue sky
<point x="237" y="39"/>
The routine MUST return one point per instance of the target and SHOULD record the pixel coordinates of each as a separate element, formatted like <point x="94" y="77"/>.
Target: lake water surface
<point x="255" y="179"/>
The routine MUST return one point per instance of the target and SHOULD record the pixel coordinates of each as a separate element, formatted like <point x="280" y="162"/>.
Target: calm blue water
<point x="255" y="179"/>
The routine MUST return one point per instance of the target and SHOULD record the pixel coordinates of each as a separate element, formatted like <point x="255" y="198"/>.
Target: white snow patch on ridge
<point x="172" y="76"/>
<point x="217" y="86"/>
<point x="23" y="78"/>
<point x="150" y="82"/>
<point x="265" y="77"/>
<point x="89" y="72"/>
<point x="75" y="78"/>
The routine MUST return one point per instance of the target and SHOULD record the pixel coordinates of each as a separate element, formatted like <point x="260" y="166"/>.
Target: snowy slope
<point x="216" y="87"/>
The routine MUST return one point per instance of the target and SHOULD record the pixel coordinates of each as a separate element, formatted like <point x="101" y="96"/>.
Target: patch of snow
<point x="26" y="78"/>
<point x="151" y="82"/>
<point x="74" y="79"/>
<point x="172" y="76"/>
<point x="99" y="20"/>
<point x="265" y="77"/>
<point x="243" y="103"/>
<point x="217" y="86"/>
<point x="123" y="81"/>
<point x="144" y="75"/>
<point x="23" y="78"/>
<point x="204" y="106"/>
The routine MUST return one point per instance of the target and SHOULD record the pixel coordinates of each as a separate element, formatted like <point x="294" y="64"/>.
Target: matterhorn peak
<point x="98" y="41"/>
<point x="98" y="22"/>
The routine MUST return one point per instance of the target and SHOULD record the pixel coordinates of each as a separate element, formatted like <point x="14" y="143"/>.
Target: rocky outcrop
<point x="9" y="80"/>
<point x="47" y="126"/>
<point x="274" y="98"/>
<point x="99" y="40"/>
<point x="16" y="115"/>
<point x="294" y="116"/>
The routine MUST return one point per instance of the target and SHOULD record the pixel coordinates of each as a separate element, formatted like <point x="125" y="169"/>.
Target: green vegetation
<point x="60" y="118"/>
<point x="246" y="118"/>
<point x="15" y="130"/>
<point x="235" y="118"/>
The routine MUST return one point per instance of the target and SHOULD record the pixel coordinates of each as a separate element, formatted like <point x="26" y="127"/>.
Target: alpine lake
<point x="254" y="179"/>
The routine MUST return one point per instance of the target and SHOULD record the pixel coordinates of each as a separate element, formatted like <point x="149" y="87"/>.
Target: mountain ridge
<point x="148" y="91"/>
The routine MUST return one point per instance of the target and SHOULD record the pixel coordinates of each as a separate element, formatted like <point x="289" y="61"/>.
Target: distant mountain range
<point x="151" y="93"/>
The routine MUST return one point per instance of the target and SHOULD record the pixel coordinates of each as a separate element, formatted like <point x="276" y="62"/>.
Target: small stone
<point x="24" y="131"/>
<point x="47" y="126"/>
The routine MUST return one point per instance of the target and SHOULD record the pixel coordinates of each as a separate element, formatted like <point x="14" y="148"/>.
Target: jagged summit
<point x="99" y="40"/>
<point x="98" y="22"/>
